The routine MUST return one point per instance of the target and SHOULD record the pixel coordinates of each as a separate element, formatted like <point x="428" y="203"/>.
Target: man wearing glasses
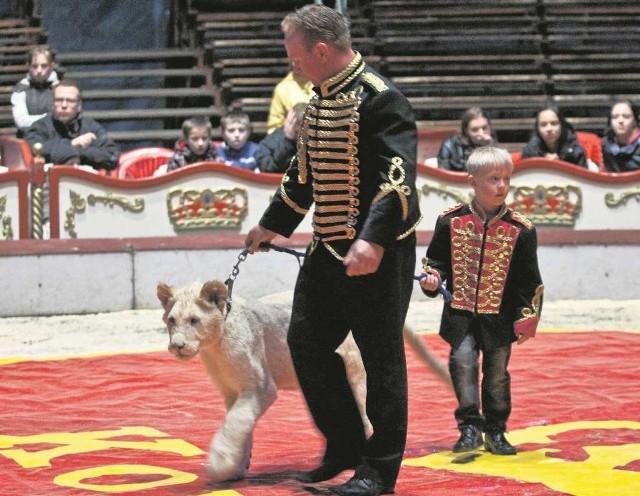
<point x="69" y="138"/>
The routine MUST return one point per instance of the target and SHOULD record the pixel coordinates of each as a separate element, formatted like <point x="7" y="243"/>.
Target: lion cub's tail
<point x="432" y="361"/>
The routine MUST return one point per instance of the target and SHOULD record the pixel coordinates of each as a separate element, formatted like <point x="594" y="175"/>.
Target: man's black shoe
<point x="328" y="470"/>
<point x="496" y="443"/>
<point x="360" y="486"/>
<point x="470" y="439"/>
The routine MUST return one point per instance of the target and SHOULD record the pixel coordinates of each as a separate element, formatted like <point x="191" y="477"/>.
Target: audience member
<point x="475" y="131"/>
<point x="621" y="142"/>
<point x="69" y="138"/>
<point x="554" y="138"/>
<point x="32" y="96"/>
<point x="195" y="146"/>
<point x="237" y="150"/>
<point x="294" y="88"/>
<point x="278" y="148"/>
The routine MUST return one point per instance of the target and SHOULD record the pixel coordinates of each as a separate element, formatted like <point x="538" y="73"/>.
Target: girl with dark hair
<point x="475" y="131"/>
<point x="554" y="138"/>
<point x="621" y="143"/>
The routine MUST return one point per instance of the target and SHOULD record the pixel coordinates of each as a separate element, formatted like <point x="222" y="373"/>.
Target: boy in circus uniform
<point x="487" y="254"/>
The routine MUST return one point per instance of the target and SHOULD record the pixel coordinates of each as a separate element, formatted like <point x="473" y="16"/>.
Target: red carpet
<point x="141" y="424"/>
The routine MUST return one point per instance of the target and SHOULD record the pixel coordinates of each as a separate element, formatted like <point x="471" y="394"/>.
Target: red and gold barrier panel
<point x="140" y="424"/>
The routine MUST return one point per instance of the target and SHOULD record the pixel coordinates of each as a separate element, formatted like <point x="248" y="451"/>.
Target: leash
<point x="243" y="256"/>
<point x="442" y="289"/>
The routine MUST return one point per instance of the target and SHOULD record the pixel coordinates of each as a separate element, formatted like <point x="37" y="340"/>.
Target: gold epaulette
<point x="457" y="206"/>
<point x="518" y="217"/>
<point x="374" y="81"/>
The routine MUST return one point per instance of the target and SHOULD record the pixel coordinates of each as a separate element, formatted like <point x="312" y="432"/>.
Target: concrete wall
<point x="76" y="281"/>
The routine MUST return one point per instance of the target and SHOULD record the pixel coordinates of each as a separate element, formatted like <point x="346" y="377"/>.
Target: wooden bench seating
<point x="130" y="93"/>
<point x="189" y="77"/>
<point x="248" y="67"/>
<point x="426" y="65"/>
<point x="490" y="84"/>
<point x="577" y="84"/>
<point x="152" y="113"/>
<point x="170" y="56"/>
<point x="457" y="26"/>
<point x="459" y="45"/>
<point x="498" y="107"/>
<point x="594" y="62"/>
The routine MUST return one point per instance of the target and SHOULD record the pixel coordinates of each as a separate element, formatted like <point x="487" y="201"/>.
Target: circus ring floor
<point x="140" y="424"/>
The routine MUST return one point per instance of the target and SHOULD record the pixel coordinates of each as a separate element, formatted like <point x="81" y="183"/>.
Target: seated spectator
<point x="195" y="146"/>
<point x="554" y="138"/>
<point x="32" y="97"/>
<point x="236" y="149"/>
<point x="293" y="88"/>
<point x="69" y="138"/>
<point x="475" y="131"/>
<point x="277" y="149"/>
<point x="621" y="142"/>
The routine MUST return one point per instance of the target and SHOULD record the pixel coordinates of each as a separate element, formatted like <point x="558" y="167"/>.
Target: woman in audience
<point x="475" y="131"/>
<point x="621" y="142"/>
<point x="554" y="138"/>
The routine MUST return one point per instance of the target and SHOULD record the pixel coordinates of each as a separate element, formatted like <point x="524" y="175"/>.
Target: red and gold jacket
<point x="491" y="269"/>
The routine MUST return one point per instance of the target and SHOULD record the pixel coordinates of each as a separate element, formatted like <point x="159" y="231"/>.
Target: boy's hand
<point x="430" y="280"/>
<point x="522" y="338"/>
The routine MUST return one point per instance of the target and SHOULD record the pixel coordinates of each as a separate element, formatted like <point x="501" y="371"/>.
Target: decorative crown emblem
<point x="193" y="209"/>
<point x="548" y="206"/>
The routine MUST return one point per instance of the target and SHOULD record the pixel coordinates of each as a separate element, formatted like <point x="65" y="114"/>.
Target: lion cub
<point x="246" y="355"/>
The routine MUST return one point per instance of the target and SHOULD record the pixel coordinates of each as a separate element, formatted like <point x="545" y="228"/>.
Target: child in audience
<point x="554" y="138"/>
<point x="32" y="97"/>
<point x="277" y="149"/>
<point x="487" y="255"/>
<point x="621" y="142"/>
<point x="475" y="131"/>
<point x="196" y="144"/>
<point x="237" y="150"/>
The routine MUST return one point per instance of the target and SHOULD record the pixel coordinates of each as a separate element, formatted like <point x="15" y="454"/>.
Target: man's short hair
<point x="68" y="83"/>
<point x="319" y="23"/>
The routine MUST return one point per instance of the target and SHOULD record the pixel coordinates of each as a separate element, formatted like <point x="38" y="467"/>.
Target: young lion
<point x="246" y="355"/>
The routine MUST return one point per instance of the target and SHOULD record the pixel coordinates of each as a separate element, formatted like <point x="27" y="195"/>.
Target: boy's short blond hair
<point x="487" y="157"/>
<point x="235" y="117"/>
<point x="196" y="122"/>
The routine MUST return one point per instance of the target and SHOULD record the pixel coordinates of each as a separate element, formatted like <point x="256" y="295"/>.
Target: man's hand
<point x="84" y="140"/>
<point x="257" y="235"/>
<point x="363" y="258"/>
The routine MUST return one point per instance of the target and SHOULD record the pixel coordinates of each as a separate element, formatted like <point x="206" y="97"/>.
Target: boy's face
<point x="235" y="135"/>
<point x="198" y="140"/>
<point x="491" y="186"/>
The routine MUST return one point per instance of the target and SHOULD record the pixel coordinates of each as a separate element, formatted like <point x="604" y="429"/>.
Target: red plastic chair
<point x="15" y="153"/>
<point x="592" y="144"/>
<point x="142" y="162"/>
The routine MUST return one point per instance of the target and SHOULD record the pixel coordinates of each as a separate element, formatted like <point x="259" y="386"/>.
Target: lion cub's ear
<point x="165" y="293"/>
<point x="216" y="293"/>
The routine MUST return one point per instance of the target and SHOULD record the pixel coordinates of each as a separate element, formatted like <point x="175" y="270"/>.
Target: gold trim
<point x="611" y="201"/>
<point x="37" y="212"/>
<point x="7" y="230"/>
<point x="344" y="77"/>
<point x="207" y="208"/>
<point x="331" y="250"/>
<point x="110" y="200"/>
<point x="412" y="229"/>
<point x="78" y="206"/>
<point x="377" y="83"/>
<point x="293" y="205"/>
<point x="444" y="192"/>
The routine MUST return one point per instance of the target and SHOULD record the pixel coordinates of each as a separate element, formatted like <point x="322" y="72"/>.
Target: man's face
<point x="303" y="61"/>
<point x="40" y="67"/>
<point x="66" y="103"/>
